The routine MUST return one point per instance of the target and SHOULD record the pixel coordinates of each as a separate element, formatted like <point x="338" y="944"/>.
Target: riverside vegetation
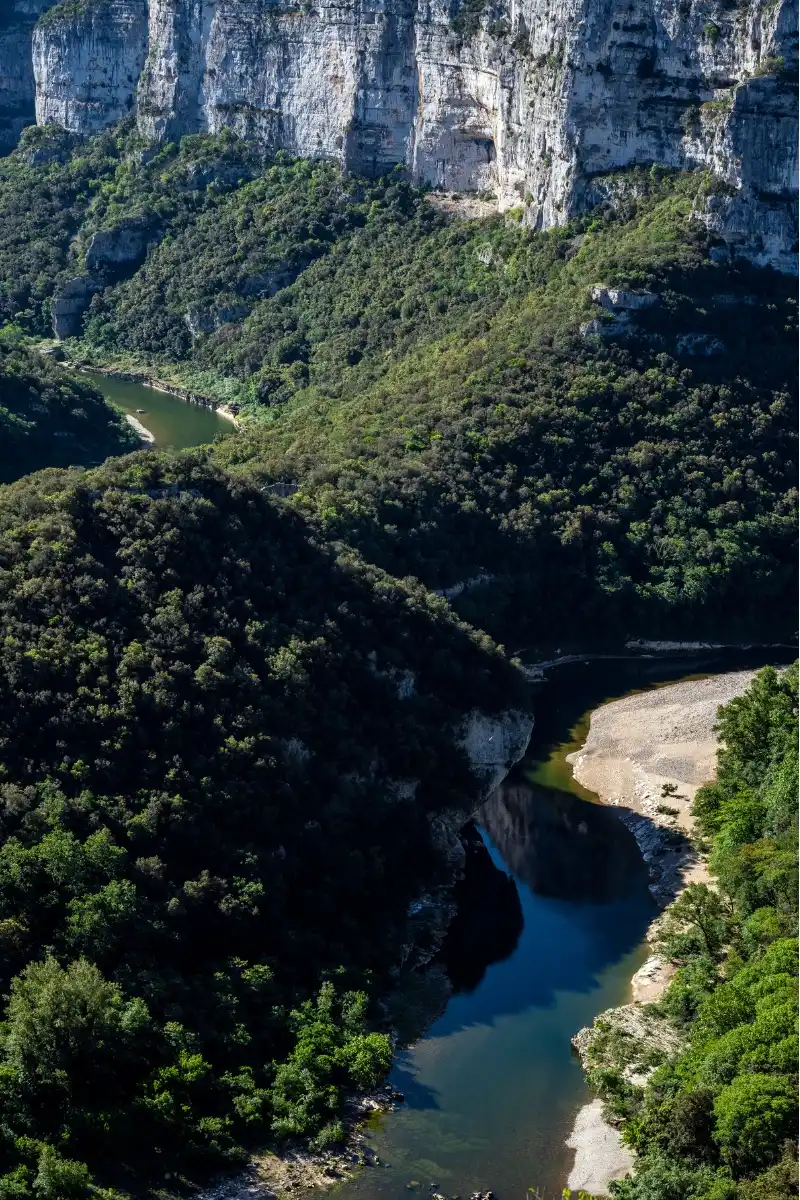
<point x="718" y="1120"/>
<point x="207" y="865"/>
<point x="424" y="382"/>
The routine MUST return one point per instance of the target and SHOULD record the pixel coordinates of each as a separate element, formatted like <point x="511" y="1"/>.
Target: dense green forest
<point x="48" y="418"/>
<point x="213" y="695"/>
<point x="429" y="383"/>
<point x="207" y="854"/>
<point x="719" y="1120"/>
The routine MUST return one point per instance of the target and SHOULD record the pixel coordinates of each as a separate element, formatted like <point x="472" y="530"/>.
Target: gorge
<point x="528" y="102"/>
<point x="489" y="311"/>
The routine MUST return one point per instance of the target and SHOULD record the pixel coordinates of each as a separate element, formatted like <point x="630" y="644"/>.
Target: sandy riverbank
<point x="142" y="430"/>
<point x="634" y="746"/>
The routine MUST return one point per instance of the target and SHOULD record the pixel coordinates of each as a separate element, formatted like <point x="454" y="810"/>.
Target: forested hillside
<point x="230" y="702"/>
<point x="719" y="1120"/>
<point x="446" y="394"/>
<point x="48" y="418"/>
<point x="221" y="746"/>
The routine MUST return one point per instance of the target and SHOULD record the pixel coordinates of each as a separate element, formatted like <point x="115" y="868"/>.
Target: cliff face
<point x="17" y="88"/>
<point x="91" y="56"/>
<point x="531" y="99"/>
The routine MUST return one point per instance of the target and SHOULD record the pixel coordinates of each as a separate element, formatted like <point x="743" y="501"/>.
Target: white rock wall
<point x="546" y="95"/>
<point x="86" y="64"/>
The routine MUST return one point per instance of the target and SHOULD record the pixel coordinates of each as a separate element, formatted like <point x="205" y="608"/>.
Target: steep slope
<point x="232" y="762"/>
<point x="48" y="419"/>
<point x="529" y="101"/>
<point x="17" y="85"/>
<point x="595" y="420"/>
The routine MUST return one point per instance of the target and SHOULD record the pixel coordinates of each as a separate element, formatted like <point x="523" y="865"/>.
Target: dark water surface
<point x="552" y="915"/>
<point x="173" y="422"/>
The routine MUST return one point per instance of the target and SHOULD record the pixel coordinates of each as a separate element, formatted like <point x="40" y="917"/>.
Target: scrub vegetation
<point x="718" y="1121"/>
<point x="425" y="385"/>
<point x="230" y="699"/>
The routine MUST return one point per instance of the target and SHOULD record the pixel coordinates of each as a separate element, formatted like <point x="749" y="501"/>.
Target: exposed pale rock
<point x="494" y="744"/>
<point x="650" y="982"/>
<point x="70" y="303"/>
<point x="126" y="243"/>
<point x="534" y="108"/>
<point x="615" y="299"/>
<point x="87" y="59"/>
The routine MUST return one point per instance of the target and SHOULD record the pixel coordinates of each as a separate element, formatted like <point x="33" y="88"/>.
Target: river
<point x="173" y="422"/>
<point x="550" y="927"/>
<point x="552" y="914"/>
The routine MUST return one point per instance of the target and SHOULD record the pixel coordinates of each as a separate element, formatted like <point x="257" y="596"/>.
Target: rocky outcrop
<point x="616" y="300"/>
<point x="627" y="1039"/>
<point x="529" y="100"/>
<point x="494" y="744"/>
<point x="70" y="303"/>
<point x="124" y="245"/>
<point x="91" y="55"/>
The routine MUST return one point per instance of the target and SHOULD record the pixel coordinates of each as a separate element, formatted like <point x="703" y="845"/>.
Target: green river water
<point x="550" y="927"/>
<point x="173" y="422"/>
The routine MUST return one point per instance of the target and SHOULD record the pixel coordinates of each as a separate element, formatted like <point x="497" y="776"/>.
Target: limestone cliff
<point x="531" y="100"/>
<point x="17" y="88"/>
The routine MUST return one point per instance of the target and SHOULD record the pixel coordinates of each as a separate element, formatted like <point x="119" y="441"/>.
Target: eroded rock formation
<point x="528" y="99"/>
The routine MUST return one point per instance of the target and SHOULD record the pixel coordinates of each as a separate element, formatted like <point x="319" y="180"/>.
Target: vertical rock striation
<point x="532" y="100"/>
<point x="17" y="88"/>
<point x="91" y="53"/>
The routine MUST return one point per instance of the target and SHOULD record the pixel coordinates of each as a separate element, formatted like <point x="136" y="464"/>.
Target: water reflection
<point x="560" y="845"/>
<point x="488" y="922"/>
<point x="554" y="894"/>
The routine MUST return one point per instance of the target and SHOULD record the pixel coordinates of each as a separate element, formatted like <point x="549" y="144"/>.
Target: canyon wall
<point x="531" y="100"/>
<point x="17" y="87"/>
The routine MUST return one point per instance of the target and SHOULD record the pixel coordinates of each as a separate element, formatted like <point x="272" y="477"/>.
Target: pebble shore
<point x="634" y="747"/>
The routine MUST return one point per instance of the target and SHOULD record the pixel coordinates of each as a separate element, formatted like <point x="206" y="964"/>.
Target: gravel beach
<point x="634" y="746"/>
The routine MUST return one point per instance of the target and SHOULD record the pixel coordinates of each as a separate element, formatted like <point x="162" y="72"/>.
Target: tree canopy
<point x="222" y="746"/>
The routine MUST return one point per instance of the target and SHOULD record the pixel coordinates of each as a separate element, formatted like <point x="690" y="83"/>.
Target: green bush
<point x="719" y="1119"/>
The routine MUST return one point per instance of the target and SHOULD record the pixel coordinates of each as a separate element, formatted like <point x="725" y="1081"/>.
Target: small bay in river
<point x="173" y="422"/>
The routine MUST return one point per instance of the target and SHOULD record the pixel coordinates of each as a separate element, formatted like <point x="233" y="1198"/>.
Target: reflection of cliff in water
<point x="488" y="920"/>
<point x="562" y="846"/>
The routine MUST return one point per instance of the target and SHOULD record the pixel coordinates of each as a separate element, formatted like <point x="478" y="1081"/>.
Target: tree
<point x="699" y="919"/>
<point x="71" y="1040"/>
<point x="753" y="1115"/>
